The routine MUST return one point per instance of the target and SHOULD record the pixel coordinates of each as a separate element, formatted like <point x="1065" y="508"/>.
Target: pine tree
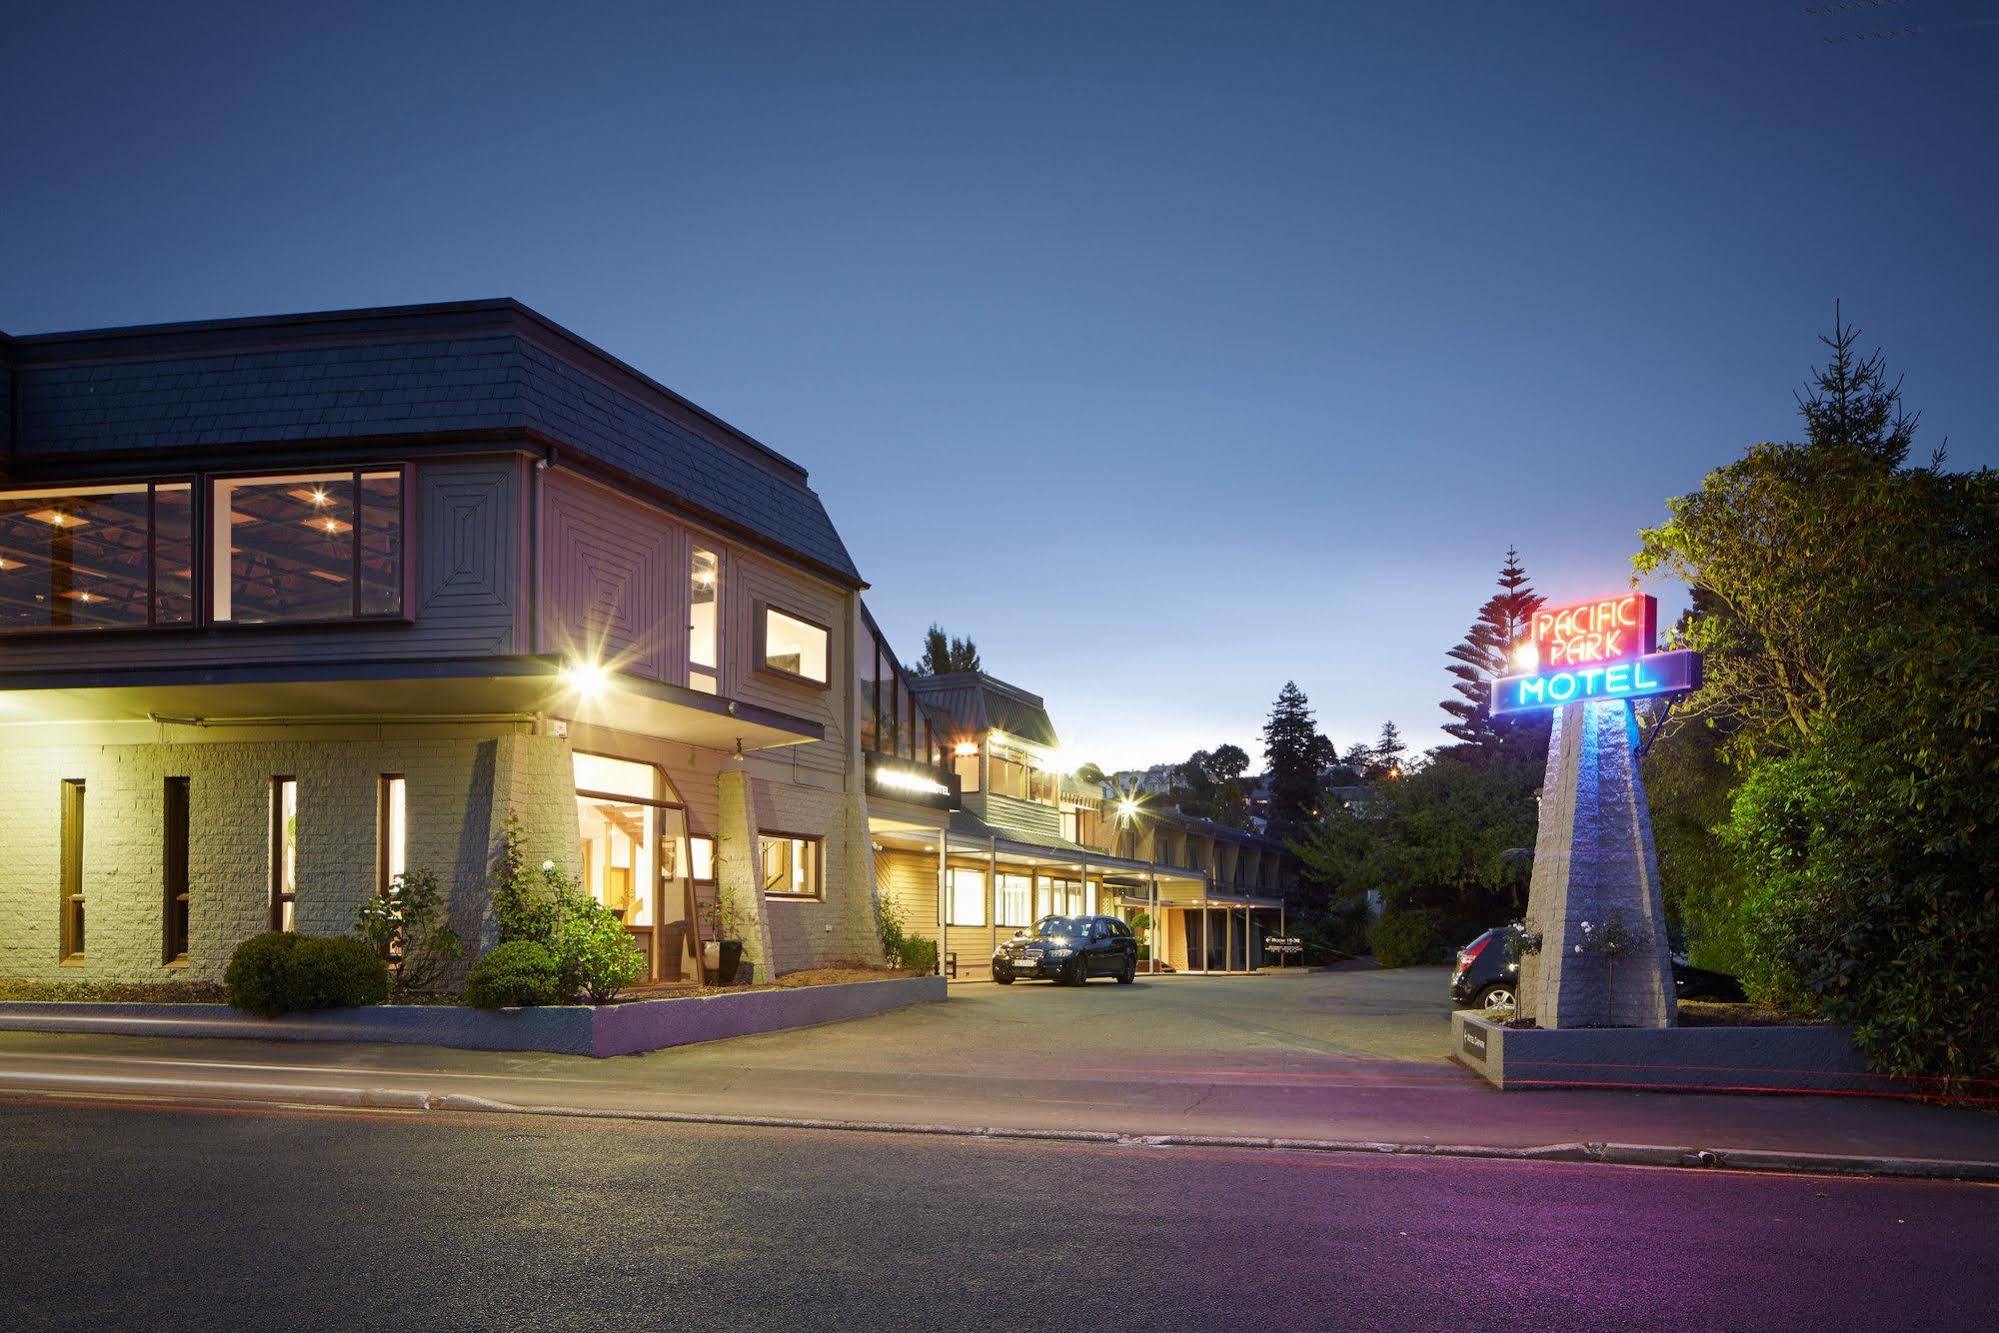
<point x="1386" y="758"/>
<point x="1502" y="622"/>
<point x="1294" y="751"/>
<point x="1851" y="402"/>
<point x="943" y="655"/>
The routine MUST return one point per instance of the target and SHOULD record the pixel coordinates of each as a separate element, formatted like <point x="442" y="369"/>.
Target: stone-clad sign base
<point x="563" y="1029"/>
<point x="1594" y="864"/>
<point x="1701" y="1059"/>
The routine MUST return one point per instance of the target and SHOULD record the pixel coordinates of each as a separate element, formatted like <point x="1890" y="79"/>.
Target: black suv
<point x="1069" y="950"/>
<point x="1488" y="973"/>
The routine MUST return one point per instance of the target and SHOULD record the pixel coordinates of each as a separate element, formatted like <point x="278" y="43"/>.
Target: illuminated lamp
<point x="965" y="748"/>
<point x="586" y="678"/>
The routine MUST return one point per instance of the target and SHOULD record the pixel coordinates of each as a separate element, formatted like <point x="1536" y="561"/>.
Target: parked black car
<point x="1488" y="970"/>
<point x="1069" y="950"/>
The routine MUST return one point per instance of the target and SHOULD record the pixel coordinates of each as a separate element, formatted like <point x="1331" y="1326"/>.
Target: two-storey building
<point x="1007" y="835"/>
<point x="290" y="606"/>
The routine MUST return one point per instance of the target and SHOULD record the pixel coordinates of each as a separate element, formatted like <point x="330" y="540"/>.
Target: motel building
<point x="978" y="831"/>
<point x="291" y="605"/>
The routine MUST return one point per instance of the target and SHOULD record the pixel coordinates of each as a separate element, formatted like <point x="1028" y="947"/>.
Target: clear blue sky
<point x="1170" y="351"/>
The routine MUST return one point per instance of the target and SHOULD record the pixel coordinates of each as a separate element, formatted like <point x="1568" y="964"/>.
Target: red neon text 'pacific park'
<point x="1606" y="630"/>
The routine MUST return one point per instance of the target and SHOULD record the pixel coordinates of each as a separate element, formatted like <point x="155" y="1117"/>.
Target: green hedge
<point x="519" y="972"/>
<point x="1404" y="938"/>
<point x="279" y="972"/>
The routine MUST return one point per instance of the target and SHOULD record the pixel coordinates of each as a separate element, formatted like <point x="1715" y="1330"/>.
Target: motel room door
<point x="634" y="855"/>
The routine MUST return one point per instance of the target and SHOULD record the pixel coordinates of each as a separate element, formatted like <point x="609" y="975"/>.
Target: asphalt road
<point x="128" y="1215"/>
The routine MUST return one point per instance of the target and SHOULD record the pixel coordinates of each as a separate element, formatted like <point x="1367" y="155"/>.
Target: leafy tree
<point x="943" y="655"/>
<point x="1501" y="623"/>
<point x="1849" y="610"/>
<point x="1209" y="785"/>
<point x="1295" y="754"/>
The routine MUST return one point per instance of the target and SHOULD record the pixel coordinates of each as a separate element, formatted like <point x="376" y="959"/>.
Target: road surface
<point x="134" y="1215"/>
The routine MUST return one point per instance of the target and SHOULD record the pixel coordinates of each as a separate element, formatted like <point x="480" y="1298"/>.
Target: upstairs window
<point x="307" y="547"/>
<point x="704" y="590"/>
<point x="791" y="646"/>
<point x="97" y="557"/>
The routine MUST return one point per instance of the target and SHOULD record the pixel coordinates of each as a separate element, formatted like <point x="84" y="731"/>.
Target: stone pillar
<point x="738" y="870"/>
<point x="1594" y="862"/>
<point x="859" y="930"/>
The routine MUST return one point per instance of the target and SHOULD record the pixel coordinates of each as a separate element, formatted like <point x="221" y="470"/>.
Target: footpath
<point x="1327" y="1062"/>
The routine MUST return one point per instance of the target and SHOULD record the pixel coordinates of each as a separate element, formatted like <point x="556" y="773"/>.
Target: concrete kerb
<point x="1609" y="1154"/>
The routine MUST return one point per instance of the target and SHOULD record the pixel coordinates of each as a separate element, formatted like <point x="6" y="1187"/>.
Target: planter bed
<point x="569" y="1029"/>
<point x="1775" y="1058"/>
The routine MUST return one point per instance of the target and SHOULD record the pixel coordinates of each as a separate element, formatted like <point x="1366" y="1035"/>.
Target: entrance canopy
<point x="490" y="687"/>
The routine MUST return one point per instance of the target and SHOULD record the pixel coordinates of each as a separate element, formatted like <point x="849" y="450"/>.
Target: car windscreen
<point x="1062" y="925"/>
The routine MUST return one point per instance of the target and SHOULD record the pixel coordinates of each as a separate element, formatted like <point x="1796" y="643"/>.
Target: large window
<point x="72" y="870"/>
<point x="309" y="546"/>
<point x="791" y="865"/>
<point x="173" y="861"/>
<point x="284" y="852"/>
<point x="1013" y="896"/>
<point x="704" y="590"/>
<point x="967" y="898"/>
<point x="892" y="720"/>
<point x="97" y="557"/>
<point x="788" y="645"/>
<point x="1062" y="897"/>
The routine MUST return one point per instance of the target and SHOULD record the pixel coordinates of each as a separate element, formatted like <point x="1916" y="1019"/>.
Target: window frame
<point x="72" y="898"/>
<point x="951" y="892"/>
<point x="385" y="783"/>
<point x="196" y="550"/>
<point x="817" y="845"/>
<point x="176" y="873"/>
<point x="202" y="554"/>
<point x="760" y="643"/>
<point x="209" y="560"/>
<point x="710" y="673"/>
<point x="279" y="896"/>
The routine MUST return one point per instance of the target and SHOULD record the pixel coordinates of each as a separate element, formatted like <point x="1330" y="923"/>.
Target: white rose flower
<point x="548" y="865"/>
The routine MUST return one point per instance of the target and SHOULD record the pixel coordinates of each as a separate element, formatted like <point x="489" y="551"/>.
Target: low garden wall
<point x="1692" y="1059"/>
<point x="567" y="1029"/>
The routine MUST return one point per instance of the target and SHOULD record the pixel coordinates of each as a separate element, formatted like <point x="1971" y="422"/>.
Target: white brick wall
<point x="460" y="786"/>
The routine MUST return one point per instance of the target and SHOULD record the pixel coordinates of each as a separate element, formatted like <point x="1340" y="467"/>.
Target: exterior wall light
<point x="586" y="678"/>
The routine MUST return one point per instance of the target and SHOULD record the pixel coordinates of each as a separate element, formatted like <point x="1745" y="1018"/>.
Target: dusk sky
<point x="1168" y="351"/>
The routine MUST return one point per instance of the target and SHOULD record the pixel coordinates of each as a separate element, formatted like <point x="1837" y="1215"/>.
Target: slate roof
<point x="979" y="703"/>
<point x="477" y="367"/>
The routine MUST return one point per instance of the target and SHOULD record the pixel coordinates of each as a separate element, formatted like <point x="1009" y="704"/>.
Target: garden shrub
<point x="1402" y="938"/>
<point x="594" y="953"/>
<point x="519" y="972"/>
<point x="279" y="972"/>
<point x="899" y="948"/>
<point x="406" y="926"/>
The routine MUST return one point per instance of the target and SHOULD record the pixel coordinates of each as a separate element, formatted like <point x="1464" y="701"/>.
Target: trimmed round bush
<point x="1404" y="939"/>
<point x="515" y="973"/>
<point x="283" y="973"/>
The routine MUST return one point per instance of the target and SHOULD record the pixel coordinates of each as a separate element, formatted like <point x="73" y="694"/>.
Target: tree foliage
<point x="943" y="655"/>
<point x="1849" y="610"/>
<point x="1209" y="784"/>
<point x="1501" y="623"/>
<point x="1295" y="754"/>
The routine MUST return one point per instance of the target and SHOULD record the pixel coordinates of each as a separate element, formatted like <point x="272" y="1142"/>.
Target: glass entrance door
<point x="632" y="856"/>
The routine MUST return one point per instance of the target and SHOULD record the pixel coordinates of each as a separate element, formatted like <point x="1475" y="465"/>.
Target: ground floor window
<point x="173" y="859"/>
<point x="1062" y="897"/>
<point x="1013" y="899"/>
<point x="284" y="852"/>
<point x="791" y="865"/>
<point x="967" y="899"/>
<point x="72" y="869"/>
<point x="391" y="831"/>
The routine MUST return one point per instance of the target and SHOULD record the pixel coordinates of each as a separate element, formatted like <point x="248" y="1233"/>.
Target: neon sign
<point x="1610" y="629"/>
<point x="1638" y="678"/>
<point x="1601" y="649"/>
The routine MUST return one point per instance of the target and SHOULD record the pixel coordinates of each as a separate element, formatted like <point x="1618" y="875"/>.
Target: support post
<point x="943" y="889"/>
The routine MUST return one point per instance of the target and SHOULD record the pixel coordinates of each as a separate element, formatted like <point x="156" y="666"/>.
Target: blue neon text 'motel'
<point x="1643" y="677"/>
